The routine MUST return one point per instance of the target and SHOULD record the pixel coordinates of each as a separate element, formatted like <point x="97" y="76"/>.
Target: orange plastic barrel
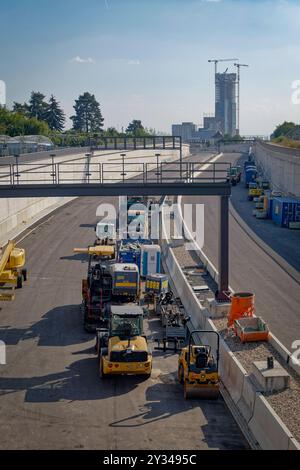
<point x="242" y="305"/>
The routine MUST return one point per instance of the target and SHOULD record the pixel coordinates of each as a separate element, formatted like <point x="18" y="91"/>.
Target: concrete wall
<point x="17" y="213"/>
<point x="280" y="165"/>
<point x="232" y="148"/>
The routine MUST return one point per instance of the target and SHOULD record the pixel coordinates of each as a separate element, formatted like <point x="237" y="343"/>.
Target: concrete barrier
<point x="267" y="427"/>
<point x="247" y="401"/>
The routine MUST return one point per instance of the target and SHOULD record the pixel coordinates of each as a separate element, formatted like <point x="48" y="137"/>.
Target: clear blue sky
<point x="147" y="59"/>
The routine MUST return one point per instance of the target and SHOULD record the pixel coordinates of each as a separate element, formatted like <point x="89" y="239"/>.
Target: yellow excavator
<point x="12" y="271"/>
<point x="198" y="368"/>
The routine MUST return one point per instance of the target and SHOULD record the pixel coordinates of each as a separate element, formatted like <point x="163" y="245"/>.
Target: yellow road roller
<point x="198" y="368"/>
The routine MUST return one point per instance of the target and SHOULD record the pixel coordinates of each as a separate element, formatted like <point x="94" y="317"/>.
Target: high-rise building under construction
<point x="225" y="106"/>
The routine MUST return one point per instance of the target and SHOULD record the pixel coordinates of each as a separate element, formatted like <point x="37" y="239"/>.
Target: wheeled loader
<point x="122" y="349"/>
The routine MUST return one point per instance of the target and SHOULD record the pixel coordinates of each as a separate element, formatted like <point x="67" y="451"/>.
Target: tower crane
<point x="215" y="61"/>
<point x="238" y="66"/>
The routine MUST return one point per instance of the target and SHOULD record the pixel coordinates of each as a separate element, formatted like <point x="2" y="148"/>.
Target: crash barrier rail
<point x="254" y="412"/>
<point x="135" y="143"/>
<point x="89" y="172"/>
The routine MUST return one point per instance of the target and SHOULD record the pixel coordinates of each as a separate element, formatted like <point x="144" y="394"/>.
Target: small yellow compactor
<point x="198" y="368"/>
<point x="12" y="271"/>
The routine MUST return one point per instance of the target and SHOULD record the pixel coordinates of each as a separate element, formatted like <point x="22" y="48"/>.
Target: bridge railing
<point x="86" y="172"/>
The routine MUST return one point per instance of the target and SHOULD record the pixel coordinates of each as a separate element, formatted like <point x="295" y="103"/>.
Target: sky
<point x="148" y="59"/>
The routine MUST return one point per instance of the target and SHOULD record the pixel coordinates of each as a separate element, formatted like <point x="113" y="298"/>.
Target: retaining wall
<point x="281" y="165"/>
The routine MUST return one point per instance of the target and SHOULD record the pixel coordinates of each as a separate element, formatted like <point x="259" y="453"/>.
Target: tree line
<point x="41" y="116"/>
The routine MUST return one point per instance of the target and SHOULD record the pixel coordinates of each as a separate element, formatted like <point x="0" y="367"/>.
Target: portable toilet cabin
<point x="150" y="259"/>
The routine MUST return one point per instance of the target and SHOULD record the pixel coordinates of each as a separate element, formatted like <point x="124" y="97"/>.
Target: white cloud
<point x="81" y="60"/>
<point x="133" y="62"/>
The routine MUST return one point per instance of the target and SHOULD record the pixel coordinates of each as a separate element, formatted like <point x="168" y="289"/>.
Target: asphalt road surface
<point x="277" y="295"/>
<point x="51" y="396"/>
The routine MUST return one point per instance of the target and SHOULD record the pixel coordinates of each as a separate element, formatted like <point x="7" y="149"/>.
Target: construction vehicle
<point x="198" y="368"/>
<point x="254" y="191"/>
<point x="233" y="175"/>
<point x="105" y="233"/>
<point x="12" y="271"/>
<point x="122" y="349"/>
<point x="250" y="174"/>
<point x="97" y="287"/>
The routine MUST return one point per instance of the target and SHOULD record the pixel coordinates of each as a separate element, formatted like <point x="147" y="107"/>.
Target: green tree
<point x="111" y="132"/>
<point x="37" y="105"/>
<point x="21" y="108"/>
<point x="12" y="124"/>
<point x="136" y="128"/>
<point x="88" y="116"/>
<point x="54" y="115"/>
<point x="283" y="129"/>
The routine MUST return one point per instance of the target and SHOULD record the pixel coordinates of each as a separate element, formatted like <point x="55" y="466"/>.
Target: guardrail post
<point x="100" y="173"/>
<point x="180" y="155"/>
<point x="87" y="173"/>
<point x="53" y="174"/>
<point x="17" y="175"/>
<point x="157" y="166"/>
<point x="223" y="249"/>
<point x="123" y="155"/>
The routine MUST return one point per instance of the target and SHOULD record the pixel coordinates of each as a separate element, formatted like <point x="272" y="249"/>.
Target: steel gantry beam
<point x="115" y="189"/>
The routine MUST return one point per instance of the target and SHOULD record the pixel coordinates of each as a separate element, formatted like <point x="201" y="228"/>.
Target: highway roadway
<point x="277" y="294"/>
<point x="51" y="396"/>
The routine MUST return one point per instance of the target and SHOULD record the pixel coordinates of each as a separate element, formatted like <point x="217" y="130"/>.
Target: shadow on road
<point x="78" y="382"/>
<point x="61" y="326"/>
<point x="165" y="400"/>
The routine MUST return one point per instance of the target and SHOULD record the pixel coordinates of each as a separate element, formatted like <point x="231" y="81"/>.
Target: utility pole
<point x="238" y="66"/>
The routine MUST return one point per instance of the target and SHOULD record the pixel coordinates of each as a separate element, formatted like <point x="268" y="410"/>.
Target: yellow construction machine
<point x="122" y="349"/>
<point x="198" y="368"/>
<point x="12" y="271"/>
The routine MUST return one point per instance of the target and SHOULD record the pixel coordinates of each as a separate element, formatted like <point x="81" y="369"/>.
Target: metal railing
<point x="87" y="172"/>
